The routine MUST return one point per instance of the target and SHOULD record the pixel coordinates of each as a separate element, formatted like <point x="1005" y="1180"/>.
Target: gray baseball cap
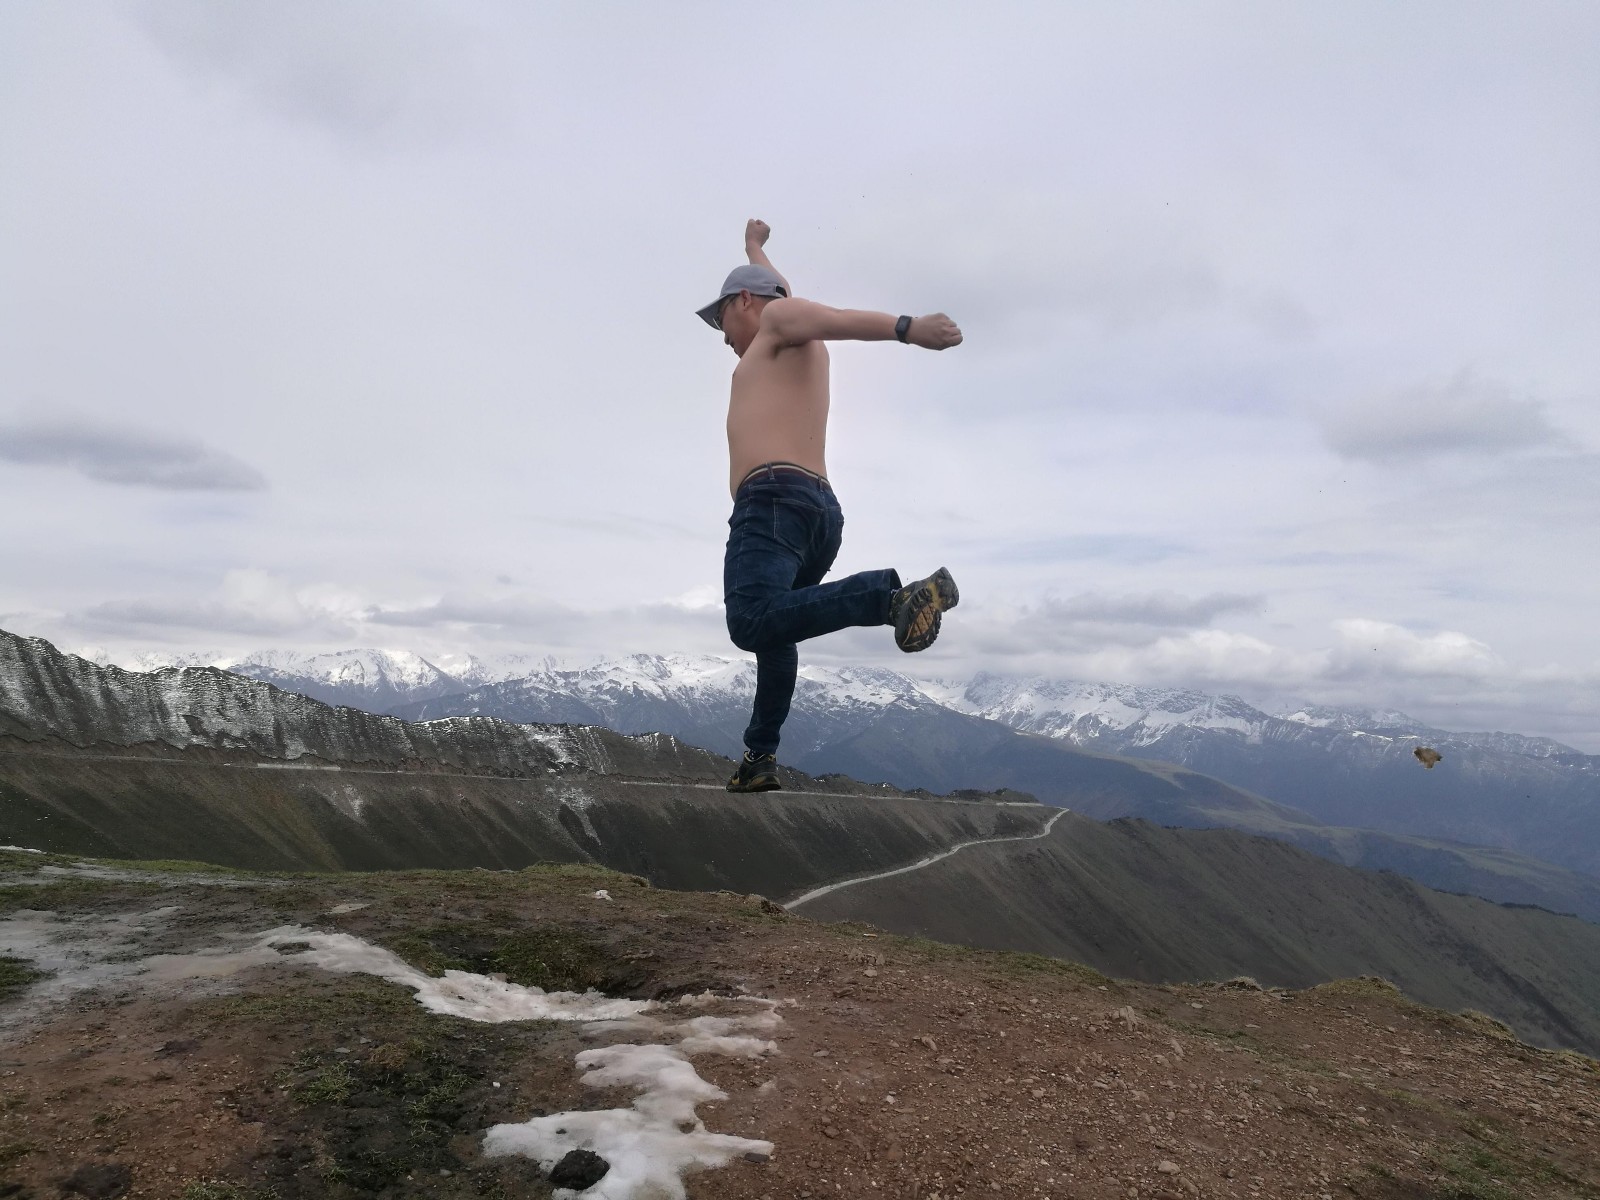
<point x="758" y="281"/>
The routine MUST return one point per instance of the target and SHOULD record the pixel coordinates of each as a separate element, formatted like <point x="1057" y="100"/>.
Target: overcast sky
<point x="371" y="324"/>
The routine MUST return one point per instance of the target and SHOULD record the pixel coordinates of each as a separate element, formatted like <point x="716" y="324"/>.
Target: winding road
<point x="926" y="862"/>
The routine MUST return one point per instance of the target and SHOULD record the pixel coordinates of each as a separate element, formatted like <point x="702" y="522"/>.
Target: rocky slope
<point x="161" y="1057"/>
<point x="1142" y="902"/>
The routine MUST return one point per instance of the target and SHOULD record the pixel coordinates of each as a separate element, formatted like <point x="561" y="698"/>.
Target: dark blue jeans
<point x="782" y="539"/>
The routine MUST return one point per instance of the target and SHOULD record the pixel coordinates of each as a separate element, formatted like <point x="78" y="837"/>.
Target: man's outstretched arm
<point x="756" y="233"/>
<point x="794" y="322"/>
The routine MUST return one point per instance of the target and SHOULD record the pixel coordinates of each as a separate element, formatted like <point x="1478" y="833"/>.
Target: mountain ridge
<point x="1354" y="792"/>
<point x="191" y="764"/>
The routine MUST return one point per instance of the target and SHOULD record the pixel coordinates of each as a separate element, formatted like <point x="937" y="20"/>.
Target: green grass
<point x="1494" y="1159"/>
<point x="1473" y="1177"/>
<point x="340" y="999"/>
<point x="1368" y="986"/>
<point x="216" y="1189"/>
<point x="551" y="958"/>
<point x="418" y="949"/>
<point x="331" y="1084"/>
<point x="183" y="866"/>
<point x="1010" y="963"/>
<point x="67" y="893"/>
<point x="414" y="1094"/>
<point x="1017" y="962"/>
<point x="21" y="861"/>
<point x="11" y="1151"/>
<point x="16" y="974"/>
<point x="1480" y="1022"/>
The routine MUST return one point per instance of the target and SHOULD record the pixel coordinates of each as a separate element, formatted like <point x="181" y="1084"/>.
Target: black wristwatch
<point x="902" y="327"/>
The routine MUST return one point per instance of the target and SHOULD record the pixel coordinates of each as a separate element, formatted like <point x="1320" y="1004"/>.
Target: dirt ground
<point x="905" y="1068"/>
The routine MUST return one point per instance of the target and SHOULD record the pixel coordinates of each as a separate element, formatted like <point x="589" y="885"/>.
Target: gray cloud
<point x="251" y="602"/>
<point x="640" y="529"/>
<point x="1091" y="621"/>
<point x="1128" y="549"/>
<point x="1032" y="257"/>
<point x="515" y="612"/>
<point x="1459" y="415"/>
<point x="1160" y="610"/>
<point x="125" y="456"/>
<point x="368" y="72"/>
<point x="202" y="616"/>
<point x="556" y="625"/>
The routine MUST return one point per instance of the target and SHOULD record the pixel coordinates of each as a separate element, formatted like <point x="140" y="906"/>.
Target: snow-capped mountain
<point x="1086" y="713"/>
<point x="1345" y="767"/>
<point x="370" y="679"/>
<point x="1339" y="782"/>
<point x="1123" y="719"/>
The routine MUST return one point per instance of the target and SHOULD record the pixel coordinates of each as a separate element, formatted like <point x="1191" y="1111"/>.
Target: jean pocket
<point x="794" y="524"/>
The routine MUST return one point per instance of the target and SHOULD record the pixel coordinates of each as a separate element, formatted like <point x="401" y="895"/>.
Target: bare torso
<point x="779" y="408"/>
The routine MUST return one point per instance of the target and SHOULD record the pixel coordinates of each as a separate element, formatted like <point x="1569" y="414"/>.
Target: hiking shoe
<point x="756" y="773"/>
<point x="914" y="610"/>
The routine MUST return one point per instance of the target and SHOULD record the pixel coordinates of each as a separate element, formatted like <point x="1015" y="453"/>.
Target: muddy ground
<point x="905" y="1068"/>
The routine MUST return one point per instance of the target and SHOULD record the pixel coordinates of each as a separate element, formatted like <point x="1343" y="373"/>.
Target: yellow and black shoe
<point x="756" y="773"/>
<point x="914" y="610"/>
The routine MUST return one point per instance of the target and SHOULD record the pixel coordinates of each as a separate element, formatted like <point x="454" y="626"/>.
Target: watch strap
<point x="902" y="327"/>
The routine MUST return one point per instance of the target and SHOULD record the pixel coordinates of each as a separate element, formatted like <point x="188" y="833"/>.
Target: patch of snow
<point x="350" y="801"/>
<point x="648" y="1147"/>
<point x="652" y="1145"/>
<point x="1302" y="717"/>
<point x="76" y="953"/>
<point x="22" y="849"/>
<point x="553" y="739"/>
<point x="456" y="993"/>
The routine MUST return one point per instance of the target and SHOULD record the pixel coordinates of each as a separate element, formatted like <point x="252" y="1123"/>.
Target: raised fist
<point x="934" y="332"/>
<point x="756" y="232"/>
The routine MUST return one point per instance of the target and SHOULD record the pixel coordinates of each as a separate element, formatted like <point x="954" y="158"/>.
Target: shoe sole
<point x="759" y="785"/>
<point x="919" y="619"/>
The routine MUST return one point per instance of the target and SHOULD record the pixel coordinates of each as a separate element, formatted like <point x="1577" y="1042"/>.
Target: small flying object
<point x="1427" y="757"/>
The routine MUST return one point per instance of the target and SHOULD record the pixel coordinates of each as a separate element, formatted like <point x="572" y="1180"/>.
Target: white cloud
<point x="251" y="602"/>
<point x="1206" y="658"/>
<point x="1378" y="649"/>
<point x="1459" y="415"/>
<point x="1376" y="655"/>
<point x="474" y="381"/>
<point x="1080" y="623"/>
<point x="268" y="608"/>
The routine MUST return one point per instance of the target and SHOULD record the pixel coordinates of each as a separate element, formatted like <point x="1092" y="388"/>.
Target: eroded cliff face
<point x="176" y="764"/>
<point x="46" y="694"/>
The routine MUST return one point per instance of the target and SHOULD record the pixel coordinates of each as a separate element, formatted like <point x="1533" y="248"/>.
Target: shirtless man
<point x="786" y="523"/>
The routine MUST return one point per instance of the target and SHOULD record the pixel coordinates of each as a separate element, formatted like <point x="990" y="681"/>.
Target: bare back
<point x="778" y="411"/>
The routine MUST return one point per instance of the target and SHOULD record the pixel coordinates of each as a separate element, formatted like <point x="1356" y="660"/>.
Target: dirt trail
<point x="816" y="893"/>
<point x="787" y="792"/>
<point x="904" y="1069"/>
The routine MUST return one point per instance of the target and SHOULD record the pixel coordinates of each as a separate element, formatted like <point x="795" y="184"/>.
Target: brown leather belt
<point x="784" y="468"/>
